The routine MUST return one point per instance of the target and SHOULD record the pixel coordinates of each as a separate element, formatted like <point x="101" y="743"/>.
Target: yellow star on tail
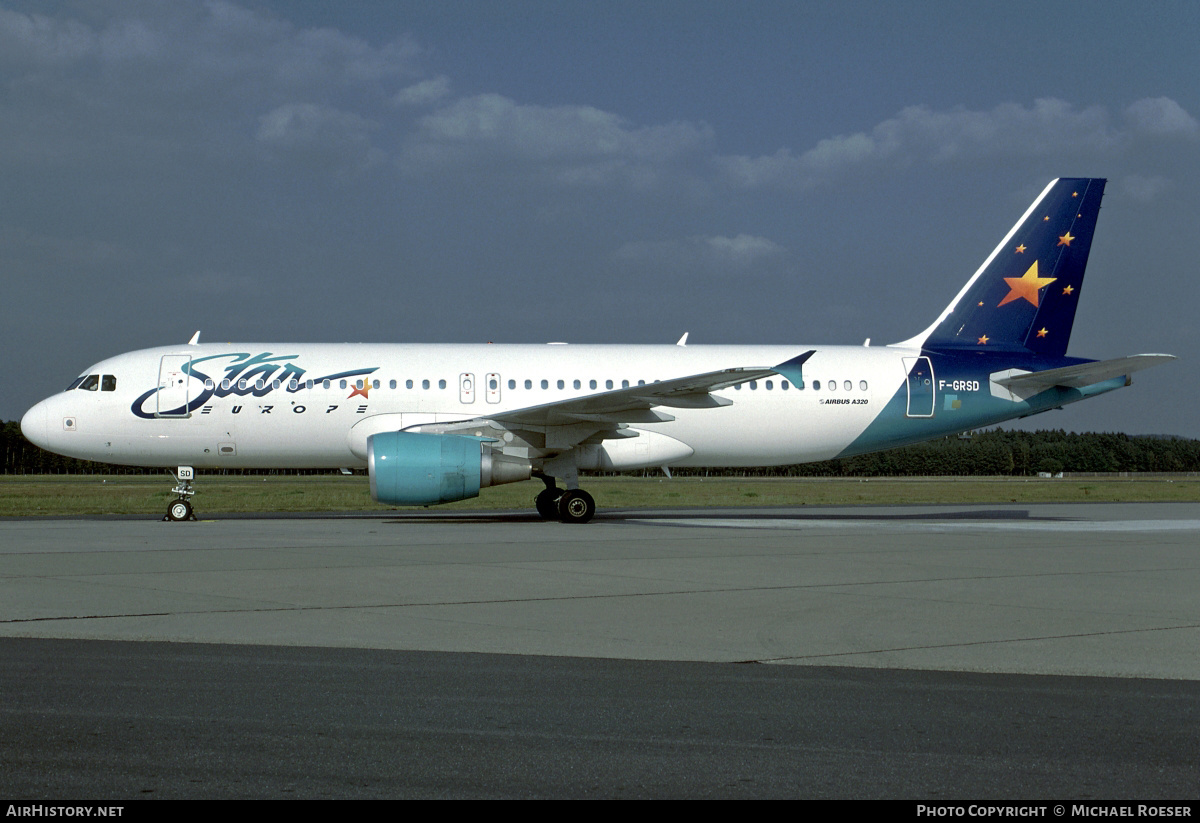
<point x="1026" y="286"/>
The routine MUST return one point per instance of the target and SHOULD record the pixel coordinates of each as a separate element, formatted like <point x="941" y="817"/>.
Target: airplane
<point x="437" y="423"/>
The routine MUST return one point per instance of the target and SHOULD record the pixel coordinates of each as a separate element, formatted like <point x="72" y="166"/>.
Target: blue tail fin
<point x="1023" y="297"/>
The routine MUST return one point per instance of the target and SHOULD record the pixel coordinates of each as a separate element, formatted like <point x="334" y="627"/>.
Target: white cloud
<point x="312" y="128"/>
<point x="37" y="41"/>
<point x="543" y="132"/>
<point x="919" y="134"/>
<point x="423" y="93"/>
<point x="574" y="145"/>
<point x="1161" y="116"/>
<point x="744" y="249"/>
<point x="1144" y="188"/>
<point x="706" y="254"/>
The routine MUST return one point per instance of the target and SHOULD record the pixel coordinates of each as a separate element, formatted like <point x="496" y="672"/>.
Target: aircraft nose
<point x="34" y="426"/>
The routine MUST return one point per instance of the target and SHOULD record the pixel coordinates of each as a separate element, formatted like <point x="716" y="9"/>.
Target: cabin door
<point x="920" y="386"/>
<point x="174" y="385"/>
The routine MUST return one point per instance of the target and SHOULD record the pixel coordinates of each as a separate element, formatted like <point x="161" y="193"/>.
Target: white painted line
<point x="938" y="525"/>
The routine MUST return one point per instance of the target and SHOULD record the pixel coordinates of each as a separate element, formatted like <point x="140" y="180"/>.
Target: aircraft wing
<point x="564" y="423"/>
<point x="1026" y="384"/>
<point x="630" y="405"/>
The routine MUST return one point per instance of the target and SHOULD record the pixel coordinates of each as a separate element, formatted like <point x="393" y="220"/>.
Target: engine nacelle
<point x="412" y="469"/>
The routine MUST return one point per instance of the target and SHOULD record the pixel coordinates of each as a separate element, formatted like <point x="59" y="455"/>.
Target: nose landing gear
<point x="181" y="509"/>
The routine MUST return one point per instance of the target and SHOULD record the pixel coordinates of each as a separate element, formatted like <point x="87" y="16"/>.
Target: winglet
<point x="792" y="369"/>
<point x="195" y="341"/>
<point x="682" y="340"/>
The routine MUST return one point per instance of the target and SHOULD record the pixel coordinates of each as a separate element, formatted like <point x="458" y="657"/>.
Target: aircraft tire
<point x="576" y="506"/>
<point x="547" y="503"/>
<point x="179" y="510"/>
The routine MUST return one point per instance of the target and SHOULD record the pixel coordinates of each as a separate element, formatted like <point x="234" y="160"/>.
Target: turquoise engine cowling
<point x="415" y="469"/>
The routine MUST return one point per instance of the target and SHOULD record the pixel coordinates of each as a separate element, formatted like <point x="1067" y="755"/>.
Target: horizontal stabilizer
<point x="1026" y="384"/>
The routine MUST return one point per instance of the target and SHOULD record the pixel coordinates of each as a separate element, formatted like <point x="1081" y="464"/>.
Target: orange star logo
<point x="983" y="340"/>
<point x="1021" y="249"/>
<point x="1065" y="240"/>
<point x="1027" y="286"/>
<point x="1042" y="332"/>
<point x="366" y="387"/>
<point x="1067" y="291"/>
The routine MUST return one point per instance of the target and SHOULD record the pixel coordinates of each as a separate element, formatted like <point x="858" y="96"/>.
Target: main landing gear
<point x="181" y="509"/>
<point x="569" y="506"/>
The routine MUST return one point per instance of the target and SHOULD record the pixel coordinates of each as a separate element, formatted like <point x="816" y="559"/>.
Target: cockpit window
<point x="75" y="383"/>
<point x="108" y="382"/>
<point x="90" y="383"/>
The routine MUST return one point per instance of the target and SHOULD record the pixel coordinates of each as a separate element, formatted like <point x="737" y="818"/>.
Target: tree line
<point x="991" y="452"/>
<point x="997" y="452"/>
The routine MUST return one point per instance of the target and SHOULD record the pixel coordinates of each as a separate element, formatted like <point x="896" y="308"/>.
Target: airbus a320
<point x="437" y="423"/>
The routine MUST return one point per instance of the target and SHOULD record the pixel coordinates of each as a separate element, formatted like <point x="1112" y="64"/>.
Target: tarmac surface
<point x="1000" y="651"/>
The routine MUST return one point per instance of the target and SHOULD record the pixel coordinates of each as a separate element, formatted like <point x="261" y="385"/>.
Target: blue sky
<point x="594" y="172"/>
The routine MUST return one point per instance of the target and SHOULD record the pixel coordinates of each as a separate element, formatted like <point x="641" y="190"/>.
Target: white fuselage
<point x="280" y="424"/>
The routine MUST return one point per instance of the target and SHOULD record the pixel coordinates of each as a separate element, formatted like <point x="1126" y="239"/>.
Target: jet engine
<point x="413" y="469"/>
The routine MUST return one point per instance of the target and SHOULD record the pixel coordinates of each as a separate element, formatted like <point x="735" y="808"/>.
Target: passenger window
<point x="770" y="385"/>
<point x="258" y="385"/>
<point x="375" y="384"/>
<point x="408" y="384"/>
<point x="754" y="385"/>
<point x="862" y="384"/>
<point x="324" y="384"/>
<point x="529" y="384"/>
<point x="512" y="384"/>
<point x="391" y="384"/>
<point x="576" y="384"/>
<point x="293" y="384"/>
<point x="242" y="383"/>
<point x="208" y="385"/>
<point x="591" y="384"/>
<point x="441" y="384"/>
<point x="108" y="383"/>
<point x="560" y="384"/>
<point x="90" y="383"/>
<point x="816" y="385"/>
<point x="545" y="384"/>
<point x="833" y="385"/>
<point x="608" y="384"/>
<point x="783" y="385"/>
<point x="624" y="384"/>
<point x="425" y="384"/>
<point x="341" y="384"/>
